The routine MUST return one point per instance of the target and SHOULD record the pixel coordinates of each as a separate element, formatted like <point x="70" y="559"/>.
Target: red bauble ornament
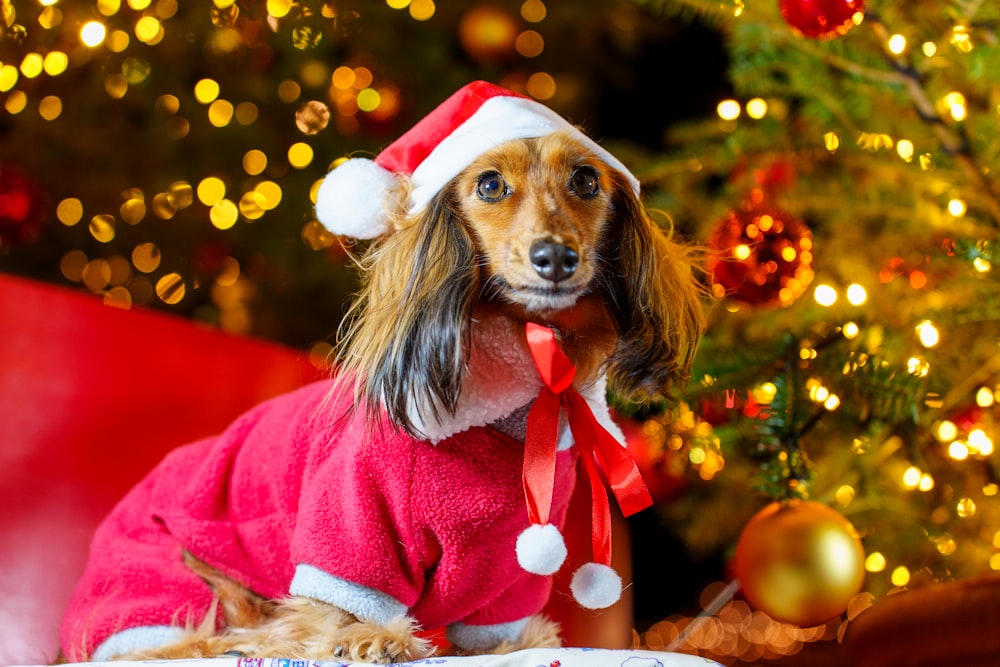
<point x="760" y="255"/>
<point x="820" y="19"/>
<point x="22" y="206"/>
<point x="800" y="562"/>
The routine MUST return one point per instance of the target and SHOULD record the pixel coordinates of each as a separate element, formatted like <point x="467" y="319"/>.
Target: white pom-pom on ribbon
<point x="353" y="199"/>
<point x="541" y="549"/>
<point x="596" y="586"/>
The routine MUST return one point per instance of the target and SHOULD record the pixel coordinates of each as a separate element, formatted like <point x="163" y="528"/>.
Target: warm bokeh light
<point x="825" y="295"/>
<point x="728" y="109"/>
<point x="928" y="333"/>
<point x="757" y="108"/>
<point x="896" y="44"/>
<point x="92" y="33"/>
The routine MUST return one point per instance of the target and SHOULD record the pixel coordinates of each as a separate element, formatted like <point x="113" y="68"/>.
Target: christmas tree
<point x="836" y="159"/>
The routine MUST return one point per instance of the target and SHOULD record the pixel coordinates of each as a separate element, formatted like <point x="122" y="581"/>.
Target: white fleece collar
<point x="500" y="379"/>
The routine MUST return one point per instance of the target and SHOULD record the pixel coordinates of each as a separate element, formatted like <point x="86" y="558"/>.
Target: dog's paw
<point x="394" y="641"/>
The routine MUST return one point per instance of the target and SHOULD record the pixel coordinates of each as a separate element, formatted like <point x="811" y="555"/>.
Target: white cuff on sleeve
<point x="366" y="603"/>
<point x="483" y="637"/>
<point x="133" y="639"/>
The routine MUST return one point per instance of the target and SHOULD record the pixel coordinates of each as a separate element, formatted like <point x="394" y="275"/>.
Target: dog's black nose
<point x="553" y="261"/>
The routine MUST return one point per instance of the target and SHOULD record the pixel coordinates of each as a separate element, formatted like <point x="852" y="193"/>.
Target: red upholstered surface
<point x="91" y="397"/>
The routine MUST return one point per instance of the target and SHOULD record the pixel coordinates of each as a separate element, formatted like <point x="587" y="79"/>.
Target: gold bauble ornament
<point x="800" y="562"/>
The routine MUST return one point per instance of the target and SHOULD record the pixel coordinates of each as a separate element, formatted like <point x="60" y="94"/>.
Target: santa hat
<point x="360" y="197"/>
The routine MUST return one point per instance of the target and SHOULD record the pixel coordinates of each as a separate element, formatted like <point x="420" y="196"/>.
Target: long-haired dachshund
<point x="339" y="520"/>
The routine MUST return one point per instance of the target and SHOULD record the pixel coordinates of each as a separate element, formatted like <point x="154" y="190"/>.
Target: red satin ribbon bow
<point x="596" y="446"/>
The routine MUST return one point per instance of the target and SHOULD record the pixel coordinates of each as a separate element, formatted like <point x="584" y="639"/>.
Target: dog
<point x="338" y="521"/>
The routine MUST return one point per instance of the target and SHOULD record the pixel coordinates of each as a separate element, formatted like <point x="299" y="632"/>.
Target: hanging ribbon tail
<point x="620" y="468"/>
<point x="600" y="508"/>
<point x="539" y="471"/>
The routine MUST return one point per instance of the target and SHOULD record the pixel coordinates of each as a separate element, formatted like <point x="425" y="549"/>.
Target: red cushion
<point x="91" y="397"/>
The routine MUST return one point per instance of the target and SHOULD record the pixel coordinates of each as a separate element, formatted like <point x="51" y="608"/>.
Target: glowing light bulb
<point x="958" y="450"/>
<point x="856" y="294"/>
<point x="728" y="109"/>
<point x="980" y="442"/>
<point x="985" y="397"/>
<point x="825" y="295"/>
<point x="93" y="33"/>
<point x="928" y="334"/>
<point x="831" y="141"/>
<point x="918" y="367"/>
<point x="904" y="148"/>
<point x="897" y="44"/>
<point x="875" y="562"/>
<point x="757" y="108"/>
<point x="946" y="431"/>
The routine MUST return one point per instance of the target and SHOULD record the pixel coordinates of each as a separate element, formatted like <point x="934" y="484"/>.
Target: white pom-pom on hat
<point x="356" y="198"/>
<point x="541" y="549"/>
<point x="596" y="586"/>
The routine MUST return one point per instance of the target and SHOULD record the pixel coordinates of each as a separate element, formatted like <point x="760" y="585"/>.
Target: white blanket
<point x="541" y="657"/>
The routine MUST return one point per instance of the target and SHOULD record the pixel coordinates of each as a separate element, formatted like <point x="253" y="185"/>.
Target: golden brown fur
<point x="637" y="309"/>
<point x="629" y="307"/>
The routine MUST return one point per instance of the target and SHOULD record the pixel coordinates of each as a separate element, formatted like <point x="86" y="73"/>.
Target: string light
<point x="985" y="397"/>
<point x="928" y="334"/>
<point x="92" y="33"/>
<point x="904" y="148"/>
<point x="897" y="44"/>
<point x="825" y="295"/>
<point x="900" y="576"/>
<point x="875" y="562"/>
<point x="728" y="109"/>
<point x="757" y="108"/>
<point x="831" y="141"/>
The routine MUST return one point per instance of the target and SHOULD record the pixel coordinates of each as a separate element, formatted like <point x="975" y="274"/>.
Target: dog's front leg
<point x="301" y="627"/>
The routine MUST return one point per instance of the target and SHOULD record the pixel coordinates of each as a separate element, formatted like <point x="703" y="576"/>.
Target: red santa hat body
<point x="360" y="197"/>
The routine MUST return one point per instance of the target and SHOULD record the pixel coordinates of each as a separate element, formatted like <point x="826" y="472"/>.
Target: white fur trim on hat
<point x="357" y="198"/>
<point x="498" y="120"/>
<point x="596" y="586"/>
<point x="541" y="549"/>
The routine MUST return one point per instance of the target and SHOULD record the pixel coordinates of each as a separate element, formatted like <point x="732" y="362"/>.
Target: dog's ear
<point x="655" y="298"/>
<point x="406" y="337"/>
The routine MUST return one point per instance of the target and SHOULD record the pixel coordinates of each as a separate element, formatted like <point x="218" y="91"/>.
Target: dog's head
<point x="547" y="229"/>
<point x="538" y="211"/>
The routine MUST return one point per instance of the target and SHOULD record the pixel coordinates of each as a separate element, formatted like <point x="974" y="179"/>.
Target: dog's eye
<point x="492" y="187"/>
<point x="584" y="182"/>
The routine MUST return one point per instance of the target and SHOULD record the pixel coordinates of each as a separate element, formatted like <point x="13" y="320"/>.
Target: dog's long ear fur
<point x="404" y="340"/>
<point x="655" y="299"/>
